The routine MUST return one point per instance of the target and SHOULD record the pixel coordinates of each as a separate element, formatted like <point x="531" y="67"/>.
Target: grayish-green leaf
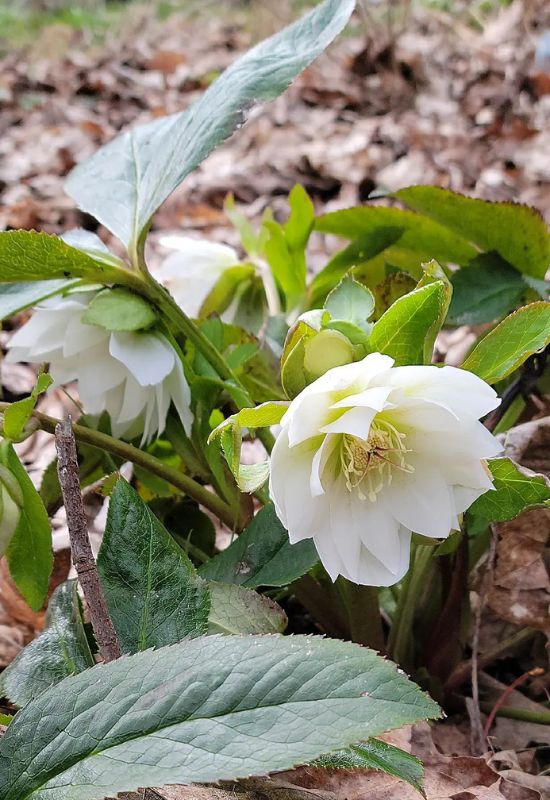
<point x="485" y="290"/>
<point x="30" y="556"/>
<point x="376" y="754"/>
<point x="154" y="595"/>
<point x="516" y="490"/>
<point x="212" y="708"/>
<point x="60" y="650"/>
<point x="262" y="555"/>
<point x="124" y="183"/>
<point x="14" y="297"/>
<point x="119" y="310"/>
<point x="517" y="232"/>
<point x="32" y="256"/>
<point x="234" y="609"/>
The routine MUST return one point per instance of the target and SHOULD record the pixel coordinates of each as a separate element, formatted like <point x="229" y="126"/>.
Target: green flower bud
<point x="326" y="350"/>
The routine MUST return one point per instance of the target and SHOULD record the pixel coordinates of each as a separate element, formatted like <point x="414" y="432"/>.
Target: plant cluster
<point x="381" y="479"/>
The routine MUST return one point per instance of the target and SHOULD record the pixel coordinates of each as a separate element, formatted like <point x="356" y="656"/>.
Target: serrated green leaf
<point x="60" y="650"/>
<point x="14" y="297"/>
<point x="18" y="414"/>
<point x="420" y="235"/>
<point x="124" y="183"/>
<point x="32" y="256"/>
<point x="29" y="554"/>
<point x="152" y="590"/>
<point x="375" y="754"/>
<point x="484" y="291"/>
<point x="517" y="232"/>
<point x="516" y="490"/>
<point x="208" y="709"/>
<point x="405" y="331"/>
<point x="262" y="555"/>
<point x="235" y="609"/>
<point x="507" y="346"/>
<point x="119" y="310"/>
<point x="365" y="247"/>
<point x="350" y="301"/>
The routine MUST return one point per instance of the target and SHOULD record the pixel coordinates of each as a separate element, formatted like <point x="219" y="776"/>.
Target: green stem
<point x="130" y="453"/>
<point x="523" y="714"/>
<point x="463" y="672"/>
<point x="363" y="609"/>
<point x="401" y="633"/>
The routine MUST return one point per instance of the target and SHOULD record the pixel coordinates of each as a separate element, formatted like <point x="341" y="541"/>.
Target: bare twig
<point x="478" y="736"/>
<point x="83" y="558"/>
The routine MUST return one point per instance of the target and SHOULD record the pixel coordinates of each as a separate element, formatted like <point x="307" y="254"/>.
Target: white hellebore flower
<point x="370" y="453"/>
<point x="134" y="376"/>
<point x="193" y="269"/>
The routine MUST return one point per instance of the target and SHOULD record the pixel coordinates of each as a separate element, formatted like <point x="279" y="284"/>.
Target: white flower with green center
<point x="370" y="453"/>
<point x="193" y="269"/>
<point x="134" y="376"/>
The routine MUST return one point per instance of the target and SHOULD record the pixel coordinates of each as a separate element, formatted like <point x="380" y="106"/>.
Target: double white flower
<point x="370" y="453"/>
<point x="134" y="376"/>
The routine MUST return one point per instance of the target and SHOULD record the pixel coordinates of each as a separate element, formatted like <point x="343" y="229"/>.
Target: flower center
<point x="369" y="464"/>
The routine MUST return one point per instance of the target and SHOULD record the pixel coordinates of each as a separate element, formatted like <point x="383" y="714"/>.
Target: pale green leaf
<point x="517" y="232"/>
<point x="406" y="330"/>
<point x="376" y="754"/>
<point x="154" y="595"/>
<point x="60" y="650"/>
<point x="234" y="609"/>
<point x="208" y="709"/>
<point x="32" y="256"/>
<point x="18" y="414"/>
<point x="30" y="556"/>
<point x="516" y="490"/>
<point x="507" y="346"/>
<point x="119" y="310"/>
<point x="350" y="301"/>
<point x="124" y="183"/>
<point x="262" y="555"/>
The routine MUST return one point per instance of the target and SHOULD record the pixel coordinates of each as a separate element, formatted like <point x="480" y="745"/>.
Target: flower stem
<point x="130" y="453"/>
<point x="401" y="633"/>
<point x="363" y="609"/>
<point x="523" y="714"/>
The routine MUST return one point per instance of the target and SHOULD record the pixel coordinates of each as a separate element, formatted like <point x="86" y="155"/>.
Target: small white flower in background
<point x="370" y="453"/>
<point x="193" y="269"/>
<point x="133" y="376"/>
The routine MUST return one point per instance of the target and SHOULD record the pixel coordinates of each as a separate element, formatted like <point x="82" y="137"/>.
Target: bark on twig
<point x="83" y="558"/>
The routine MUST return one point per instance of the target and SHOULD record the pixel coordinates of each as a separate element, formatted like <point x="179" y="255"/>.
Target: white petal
<point x="149" y="357"/>
<point x="421" y="501"/>
<point x="180" y="395"/>
<point x="356" y="422"/>
<point x="373" y="573"/>
<point x="328" y="553"/>
<point x="346" y="537"/>
<point x="370" y="398"/>
<point x="98" y="372"/>
<point x="464" y="496"/>
<point x="80" y="337"/>
<point x="135" y="398"/>
<point x="378" y="530"/>
<point x="319" y="463"/>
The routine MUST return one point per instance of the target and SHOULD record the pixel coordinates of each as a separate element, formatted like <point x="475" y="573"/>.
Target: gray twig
<point x="81" y="551"/>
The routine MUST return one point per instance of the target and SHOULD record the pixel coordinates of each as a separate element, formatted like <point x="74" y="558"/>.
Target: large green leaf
<point x="154" y="595"/>
<point x="406" y="330"/>
<point x="212" y="708"/>
<point x="375" y="754"/>
<point x="262" y="555"/>
<point x="420" y="235"/>
<point x="124" y="183"/>
<point x="14" y="297"/>
<point x="515" y="491"/>
<point x="518" y="233"/>
<point x="60" y="650"/>
<point x="30" y="556"/>
<point x="32" y="256"/>
<point x="507" y="346"/>
<point x="234" y="609"/>
<point x="485" y="290"/>
<point x="361" y="250"/>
